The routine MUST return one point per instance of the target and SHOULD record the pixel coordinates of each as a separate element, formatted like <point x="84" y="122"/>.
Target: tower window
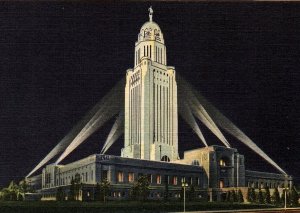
<point x="195" y="163"/>
<point x="147" y="50"/>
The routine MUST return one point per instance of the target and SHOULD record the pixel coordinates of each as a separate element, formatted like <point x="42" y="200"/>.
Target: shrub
<point x="240" y="196"/>
<point x="276" y="197"/>
<point x="260" y="197"/>
<point x="267" y="196"/>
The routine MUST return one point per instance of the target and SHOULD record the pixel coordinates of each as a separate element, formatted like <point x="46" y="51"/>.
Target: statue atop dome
<point x="150" y="13"/>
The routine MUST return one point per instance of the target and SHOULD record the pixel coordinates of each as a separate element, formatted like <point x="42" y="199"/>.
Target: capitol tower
<point x="151" y="117"/>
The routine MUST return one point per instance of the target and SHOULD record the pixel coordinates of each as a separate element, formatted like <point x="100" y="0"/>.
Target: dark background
<point x="58" y="59"/>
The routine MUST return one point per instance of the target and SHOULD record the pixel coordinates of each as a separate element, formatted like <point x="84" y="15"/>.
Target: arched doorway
<point x="165" y="158"/>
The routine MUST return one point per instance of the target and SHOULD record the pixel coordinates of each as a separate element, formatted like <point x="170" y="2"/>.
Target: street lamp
<point x="285" y="190"/>
<point x="184" y="185"/>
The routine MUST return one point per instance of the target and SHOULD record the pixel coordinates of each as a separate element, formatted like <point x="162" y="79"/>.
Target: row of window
<point x="160" y="57"/>
<point x="159" y="72"/>
<point x="157" y="179"/>
<point x="135" y="116"/>
<point x="120" y="194"/>
<point x="265" y="184"/>
<point x="163" y="123"/>
<point x="135" y="78"/>
<point x="84" y="177"/>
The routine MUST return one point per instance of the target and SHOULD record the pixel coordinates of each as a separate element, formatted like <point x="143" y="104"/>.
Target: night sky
<point x="58" y="59"/>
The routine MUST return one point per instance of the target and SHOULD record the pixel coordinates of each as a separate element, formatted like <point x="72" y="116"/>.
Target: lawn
<point x="116" y="206"/>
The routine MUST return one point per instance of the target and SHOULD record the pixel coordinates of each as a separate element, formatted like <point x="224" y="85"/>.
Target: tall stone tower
<point x="151" y="117"/>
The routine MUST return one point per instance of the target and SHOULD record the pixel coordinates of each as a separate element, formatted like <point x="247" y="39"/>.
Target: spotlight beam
<point x="199" y="112"/>
<point x="232" y="129"/>
<point x="202" y="115"/>
<point x="116" y="131"/>
<point x="186" y="114"/>
<point x="66" y="141"/>
<point x="111" y="107"/>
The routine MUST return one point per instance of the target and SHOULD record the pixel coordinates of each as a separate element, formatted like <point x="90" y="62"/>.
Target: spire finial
<point x="150" y="13"/>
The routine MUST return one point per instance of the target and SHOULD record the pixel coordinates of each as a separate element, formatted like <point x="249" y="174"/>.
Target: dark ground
<point x="116" y="206"/>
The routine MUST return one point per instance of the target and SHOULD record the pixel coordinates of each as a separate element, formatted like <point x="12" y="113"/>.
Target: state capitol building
<point x="151" y="143"/>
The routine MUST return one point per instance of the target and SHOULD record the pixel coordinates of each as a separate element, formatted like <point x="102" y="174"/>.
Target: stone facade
<point x="122" y="173"/>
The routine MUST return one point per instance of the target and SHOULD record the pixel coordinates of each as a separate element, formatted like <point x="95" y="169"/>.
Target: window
<point x="222" y="162"/>
<point x="130" y="177"/>
<point x="175" y="180"/>
<point x="120" y="176"/>
<point x="158" y="179"/>
<point x="149" y="177"/>
<point x="195" y="163"/>
<point x="189" y="180"/>
<point x="221" y="183"/>
<point x="183" y="180"/>
<point x="198" y="181"/>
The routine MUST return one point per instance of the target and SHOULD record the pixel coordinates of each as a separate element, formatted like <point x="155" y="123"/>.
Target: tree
<point x="141" y="188"/>
<point x="15" y="191"/>
<point x="97" y="195"/>
<point x="134" y="191"/>
<point x="60" y="195"/>
<point x="144" y="187"/>
<point x="104" y="189"/>
<point x="77" y="186"/>
<point x="181" y="194"/>
<point x="192" y="193"/>
<point x="20" y="197"/>
<point x="267" y="196"/>
<point x="276" y="197"/>
<point x="228" y="196"/>
<point x="253" y="194"/>
<point x="11" y="192"/>
<point x="249" y="195"/>
<point x="294" y="197"/>
<point x="260" y="197"/>
<point x="233" y="196"/>
<point x="166" y="192"/>
<point x="240" y="196"/>
<point x="71" y="196"/>
<point x="24" y="187"/>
